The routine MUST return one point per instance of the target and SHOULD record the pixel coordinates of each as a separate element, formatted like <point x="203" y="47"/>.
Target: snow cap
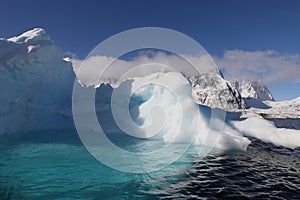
<point x="36" y="34"/>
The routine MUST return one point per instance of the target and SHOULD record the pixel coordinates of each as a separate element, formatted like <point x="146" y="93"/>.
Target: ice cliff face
<point x="253" y="89"/>
<point x="212" y="90"/>
<point x="36" y="84"/>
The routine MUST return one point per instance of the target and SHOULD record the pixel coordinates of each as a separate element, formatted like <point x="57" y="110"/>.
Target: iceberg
<point x="164" y="108"/>
<point x="36" y="84"/>
<point x="262" y="129"/>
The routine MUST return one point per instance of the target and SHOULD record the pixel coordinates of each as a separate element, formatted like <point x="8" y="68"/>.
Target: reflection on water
<point x="45" y="169"/>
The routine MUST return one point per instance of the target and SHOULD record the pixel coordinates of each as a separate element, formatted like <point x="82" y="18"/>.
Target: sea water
<point x="37" y="166"/>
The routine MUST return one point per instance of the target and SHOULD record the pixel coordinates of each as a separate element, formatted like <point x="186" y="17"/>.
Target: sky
<point x="252" y="32"/>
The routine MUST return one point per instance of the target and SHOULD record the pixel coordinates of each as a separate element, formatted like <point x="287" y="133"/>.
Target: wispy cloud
<point x="102" y="69"/>
<point x="268" y="66"/>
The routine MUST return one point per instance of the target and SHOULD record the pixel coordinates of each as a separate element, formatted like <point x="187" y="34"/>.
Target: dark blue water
<point x="35" y="167"/>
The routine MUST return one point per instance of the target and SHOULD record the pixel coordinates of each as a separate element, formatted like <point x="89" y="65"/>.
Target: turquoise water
<point x="61" y="168"/>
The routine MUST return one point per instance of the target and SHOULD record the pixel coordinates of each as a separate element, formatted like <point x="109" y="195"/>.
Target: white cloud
<point x="113" y="70"/>
<point x="268" y="66"/>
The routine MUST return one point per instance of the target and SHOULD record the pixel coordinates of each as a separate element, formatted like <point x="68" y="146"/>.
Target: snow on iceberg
<point x="36" y="84"/>
<point x="256" y="126"/>
<point x="165" y="109"/>
<point x="182" y="120"/>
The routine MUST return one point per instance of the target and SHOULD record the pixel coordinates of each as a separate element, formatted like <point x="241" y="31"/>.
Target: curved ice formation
<point x="180" y="119"/>
<point x="163" y="108"/>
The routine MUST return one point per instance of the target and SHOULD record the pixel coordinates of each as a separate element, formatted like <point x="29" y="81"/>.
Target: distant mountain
<point x="277" y="110"/>
<point x="253" y="89"/>
<point x="212" y="90"/>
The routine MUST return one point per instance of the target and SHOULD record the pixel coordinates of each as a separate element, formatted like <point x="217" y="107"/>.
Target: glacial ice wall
<point x="36" y="84"/>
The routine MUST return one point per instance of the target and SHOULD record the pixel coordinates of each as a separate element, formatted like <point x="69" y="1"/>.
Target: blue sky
<point x="219" y="26"/>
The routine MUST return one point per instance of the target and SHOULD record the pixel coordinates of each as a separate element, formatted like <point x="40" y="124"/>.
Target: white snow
<point x="31" y="48"/>
<point x="256" y="126"/>
<point x="35" y="86"/>
<point x="180" y="120"/>
<point x="286" y="103"/>
<point x="253" y="89"/>
<point x="67" y="59"/>
<point x="275" y="109"/>
<point x="33" y="35"/>
<point x="212" y="90"/>
<point x="169" y="112"/>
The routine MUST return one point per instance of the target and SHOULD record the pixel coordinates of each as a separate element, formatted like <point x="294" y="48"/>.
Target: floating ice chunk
<point x="258" y="127"/>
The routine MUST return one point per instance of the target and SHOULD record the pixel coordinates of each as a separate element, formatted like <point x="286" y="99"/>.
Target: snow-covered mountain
<point x="253" y="89"/>
<point x="36" y="84"/>
<point x="277" y="109"/>
<point x="212" y="90"/>
<point x="259" y="100"/>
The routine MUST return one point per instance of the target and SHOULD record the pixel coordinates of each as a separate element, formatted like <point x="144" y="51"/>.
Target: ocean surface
<point x="55" y="165"/>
